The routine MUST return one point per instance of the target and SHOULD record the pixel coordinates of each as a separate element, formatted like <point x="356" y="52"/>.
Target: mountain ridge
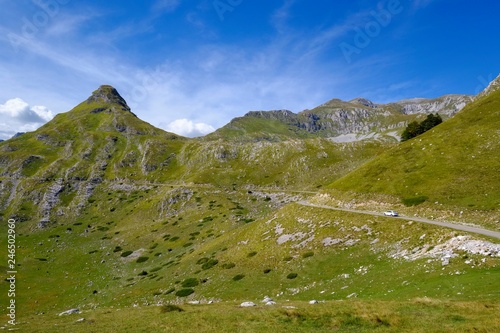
<point x="357" y="117"/>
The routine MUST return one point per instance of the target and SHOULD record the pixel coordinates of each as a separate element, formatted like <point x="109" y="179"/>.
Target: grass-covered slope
<point x="273" y="126"/>
<point x="295" y="164"/>
<point x="456" y="163"/>
<point x="135" y="248"/>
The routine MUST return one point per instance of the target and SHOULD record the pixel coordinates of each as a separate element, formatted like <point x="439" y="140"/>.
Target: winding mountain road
<point x="461" y="227"/>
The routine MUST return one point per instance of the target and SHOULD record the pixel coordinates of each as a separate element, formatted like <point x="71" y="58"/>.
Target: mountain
<point x="125" y="222"/>
<point x="456" y="163"/>
<point x="342" y="121"/>
<point x="101" y="144"/>
<point x="100" y="140"/>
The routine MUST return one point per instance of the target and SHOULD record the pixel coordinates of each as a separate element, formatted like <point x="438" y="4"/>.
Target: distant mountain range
<point x="359" y="118"/>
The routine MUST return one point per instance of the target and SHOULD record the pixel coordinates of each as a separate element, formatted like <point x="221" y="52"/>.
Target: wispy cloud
<point x="280" y="17"/>
<point x="165" y="5"/>
<point x="196" y="88"/>
<point x="67" y="24"/>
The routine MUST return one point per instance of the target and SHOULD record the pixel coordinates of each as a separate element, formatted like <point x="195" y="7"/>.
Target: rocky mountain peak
<point x="364" y="101"/>
<point x="109" y="95"/>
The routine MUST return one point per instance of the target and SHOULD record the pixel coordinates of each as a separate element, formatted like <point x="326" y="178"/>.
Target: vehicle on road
<point x="391" y="213"/>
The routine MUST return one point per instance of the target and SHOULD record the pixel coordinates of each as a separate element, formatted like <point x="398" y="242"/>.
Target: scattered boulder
<point x="247" y="304"/>
<point x="271" y="303"/>
<point x="70" y="311"/>
<point x="267" y="299"/>
<point x="313" y="301"/>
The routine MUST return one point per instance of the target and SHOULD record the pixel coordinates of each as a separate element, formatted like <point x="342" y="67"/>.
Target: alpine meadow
<point x="272" y="222"/>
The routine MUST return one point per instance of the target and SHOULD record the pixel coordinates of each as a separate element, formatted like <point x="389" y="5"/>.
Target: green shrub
<point x="238" y="277"/>
<point x="170" y="308"/>
<point x="209" y="264"/>
<point x="267" y="270"/>
<point x="184" y="292"/>
<point x="251" y="254"/>
<point x="191" y="282"/>
<point x="202" y="261"/>
<point x="292" y="276"/>
<point x="143" y="273"/>
<point x="117" y="249"/>
<point x="156" y="269"/>
<point x="228" y="265"/>
<point x="287" y="258"/>
<point x="308" y="254"/>
<point x="414" y="201"/>
<point x="141" y="259"/>
<point x="126" y="253"/>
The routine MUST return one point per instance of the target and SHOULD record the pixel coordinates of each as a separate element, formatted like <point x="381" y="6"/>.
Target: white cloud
<point x="186" y="127"/>
<point x="18" y="116"/>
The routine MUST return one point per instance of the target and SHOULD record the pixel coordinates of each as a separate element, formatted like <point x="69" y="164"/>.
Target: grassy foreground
<point x="419" y="315"/>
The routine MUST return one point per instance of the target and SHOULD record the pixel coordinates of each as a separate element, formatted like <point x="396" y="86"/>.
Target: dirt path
<point x="455" y="226"/>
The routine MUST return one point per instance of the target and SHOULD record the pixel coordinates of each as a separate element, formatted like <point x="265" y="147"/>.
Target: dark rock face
<point x="109" y="95"/>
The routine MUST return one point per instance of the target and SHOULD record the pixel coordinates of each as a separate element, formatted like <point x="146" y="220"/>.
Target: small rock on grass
<point x="247" y="304"/>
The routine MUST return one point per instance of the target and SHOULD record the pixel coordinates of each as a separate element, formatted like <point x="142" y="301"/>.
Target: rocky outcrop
<point x="109" y="95"/>
<point x="492" y="87"/>
<point x="446" y="105"/>
<point x="49" y="201"/>
<point x="360" y="115"/>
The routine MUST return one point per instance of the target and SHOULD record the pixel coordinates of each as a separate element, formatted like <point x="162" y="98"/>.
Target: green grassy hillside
<point x="135" y="248"/>
<point x="456" y="163"/>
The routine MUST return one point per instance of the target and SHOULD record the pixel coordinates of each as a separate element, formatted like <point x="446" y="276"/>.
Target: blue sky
<point x="190" y="66"/>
